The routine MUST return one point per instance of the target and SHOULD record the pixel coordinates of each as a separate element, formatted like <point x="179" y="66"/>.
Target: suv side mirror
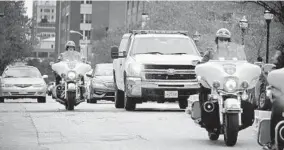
<point x="115" y="53"/>
<point x="89" y="75"/>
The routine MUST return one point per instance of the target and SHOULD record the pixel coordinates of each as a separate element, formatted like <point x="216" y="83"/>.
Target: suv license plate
<point x="171" y="94"/>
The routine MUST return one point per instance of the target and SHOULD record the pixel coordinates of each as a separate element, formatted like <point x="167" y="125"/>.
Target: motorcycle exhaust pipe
<point x="208" y="107"/>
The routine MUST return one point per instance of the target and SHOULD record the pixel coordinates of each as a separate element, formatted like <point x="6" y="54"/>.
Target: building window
<point x="52" y="17"/>
<point x="40" y="10"/>
<point x="34" y="54"/>
<point x="51" y="45"/>
<point x="52" y="10"/>
<point x="88" y="18"/>
<point x="81" y="31"/>
<point x="42" y="54"/>
<point x="88" y="2"/>
<point x="88" y="34"/>
<point x="82" y="2"/>
<point x="82" y="18"/>
<point x="47" y="10"/>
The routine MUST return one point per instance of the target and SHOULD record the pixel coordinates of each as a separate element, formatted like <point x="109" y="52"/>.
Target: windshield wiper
<point x="152" y="53"/>
<point x="176" y="53"/>
<point x="9" y="77"/>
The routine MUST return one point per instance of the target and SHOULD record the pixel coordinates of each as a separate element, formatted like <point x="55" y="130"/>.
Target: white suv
<point x="152" y="65"/>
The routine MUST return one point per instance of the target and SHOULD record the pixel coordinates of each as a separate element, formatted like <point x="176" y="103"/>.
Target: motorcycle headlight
<point x="230" y="85"/>
<point x="71" y="75"/>
<point x="134" y="70"/>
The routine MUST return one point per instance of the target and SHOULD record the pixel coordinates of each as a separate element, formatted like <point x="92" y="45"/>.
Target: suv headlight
<point x="71" y="75"/>
<point x="231" y="84"/>
<point x="134" y="70"/>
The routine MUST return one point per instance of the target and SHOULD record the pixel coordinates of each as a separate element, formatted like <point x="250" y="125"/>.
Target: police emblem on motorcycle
<point x="171" y="71"/>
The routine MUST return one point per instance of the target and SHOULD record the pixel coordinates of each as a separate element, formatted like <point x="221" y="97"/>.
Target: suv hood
<point x="166" y="59"/>
<point x="22" y="81"/>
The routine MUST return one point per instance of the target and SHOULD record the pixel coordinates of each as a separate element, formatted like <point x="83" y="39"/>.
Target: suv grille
<point x="170" y="72"/>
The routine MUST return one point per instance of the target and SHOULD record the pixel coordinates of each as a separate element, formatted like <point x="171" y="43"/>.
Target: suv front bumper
<point x="141" y="88"/>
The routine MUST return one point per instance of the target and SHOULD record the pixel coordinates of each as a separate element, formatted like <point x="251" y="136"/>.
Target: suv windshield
<point x="163" y="46"/>
<point x="22" y="73"/>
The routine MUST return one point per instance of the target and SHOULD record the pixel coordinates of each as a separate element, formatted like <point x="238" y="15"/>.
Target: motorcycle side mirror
<point x="45" y="76"/>
<point x="51" y="63"/>
<point x="268" y="67"/>
<point x="89" y="75"/>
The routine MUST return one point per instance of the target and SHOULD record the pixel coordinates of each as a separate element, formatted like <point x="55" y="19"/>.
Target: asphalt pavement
<point x="27" y="125"/>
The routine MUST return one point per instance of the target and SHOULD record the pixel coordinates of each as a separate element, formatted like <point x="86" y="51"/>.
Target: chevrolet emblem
<point x="171" y="71"/>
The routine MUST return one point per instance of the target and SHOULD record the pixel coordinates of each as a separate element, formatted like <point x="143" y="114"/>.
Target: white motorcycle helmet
<point x="223" y="33"/>
<point x="70" y="44"/>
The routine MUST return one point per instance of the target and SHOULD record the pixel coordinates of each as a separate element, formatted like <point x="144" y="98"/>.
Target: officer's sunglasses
<point x="223" y="39"/>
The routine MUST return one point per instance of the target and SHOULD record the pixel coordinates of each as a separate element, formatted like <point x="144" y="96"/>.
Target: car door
<point x="119" y="65"/>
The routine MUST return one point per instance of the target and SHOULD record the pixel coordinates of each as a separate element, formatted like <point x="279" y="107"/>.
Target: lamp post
<point x="243" y="25"/>
<point x="196" y="36"/>
<point x="85" y="39"/>
<point x="268" y="17"/>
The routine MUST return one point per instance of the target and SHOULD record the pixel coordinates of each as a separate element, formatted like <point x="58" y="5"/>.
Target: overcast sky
<point x="29" y="6"/>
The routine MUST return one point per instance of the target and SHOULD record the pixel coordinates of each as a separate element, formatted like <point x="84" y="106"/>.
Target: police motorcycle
<point x="275" y="93"/>
<point x="262" y="87"/>
<point x="229" y="80"/>
<point x="72" y="70"/>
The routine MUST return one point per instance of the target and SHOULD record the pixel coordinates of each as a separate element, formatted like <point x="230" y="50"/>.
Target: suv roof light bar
<point x="158" y="32"/>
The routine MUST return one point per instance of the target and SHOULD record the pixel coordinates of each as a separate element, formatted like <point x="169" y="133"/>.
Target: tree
<point x="13" y="40"/>
<point x="275" y="7"/>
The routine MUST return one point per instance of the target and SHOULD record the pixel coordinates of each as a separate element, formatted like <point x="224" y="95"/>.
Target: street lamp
<point x="243" y="25"/>
<point x="268" y="17"/>
<point x="196" y="36"/>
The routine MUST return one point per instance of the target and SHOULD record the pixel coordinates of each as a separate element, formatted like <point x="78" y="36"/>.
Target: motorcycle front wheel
<point x="71" y="98"/>
<point x="231" y="129"/>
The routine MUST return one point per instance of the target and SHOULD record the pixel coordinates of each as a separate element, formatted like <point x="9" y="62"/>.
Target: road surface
<point x="27" y="125"/>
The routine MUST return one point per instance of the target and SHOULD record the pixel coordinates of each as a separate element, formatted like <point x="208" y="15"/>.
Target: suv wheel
<point x="1" y="100"/>
<point x="119" y="99"/>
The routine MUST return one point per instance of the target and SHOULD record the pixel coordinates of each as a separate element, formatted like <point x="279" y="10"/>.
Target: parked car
<point x="22" y="81"/>
<point x="102" y="85"/>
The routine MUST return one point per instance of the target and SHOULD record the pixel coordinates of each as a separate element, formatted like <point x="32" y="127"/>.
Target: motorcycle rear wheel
<point x="71" y="98"/>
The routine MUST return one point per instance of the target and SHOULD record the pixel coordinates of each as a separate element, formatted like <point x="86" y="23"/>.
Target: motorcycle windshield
<point x="71" y="62"/>
<point x="233" y="52"/>
<point x="227" y="66"/>
<point x="71" y="56"/>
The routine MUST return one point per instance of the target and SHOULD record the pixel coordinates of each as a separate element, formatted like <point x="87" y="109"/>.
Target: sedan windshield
<point x="104" y="70"/>
<point x="22" y="73"/>
<point x="163" y="46"/>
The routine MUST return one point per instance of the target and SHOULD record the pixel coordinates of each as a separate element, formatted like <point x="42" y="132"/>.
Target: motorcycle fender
<point x="71" y="87"/>
<point x="232" y="105"/>
<point x="279" y="129"/>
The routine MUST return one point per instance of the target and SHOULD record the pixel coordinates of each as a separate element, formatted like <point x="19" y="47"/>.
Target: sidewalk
<point x="17" y="131"/>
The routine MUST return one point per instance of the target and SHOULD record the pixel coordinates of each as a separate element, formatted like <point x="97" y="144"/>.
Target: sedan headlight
<point x="71" y="75"/>
<point x="7" y="85"/>
<point x="231" y="84"/>
<point x="134" y="70"/>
